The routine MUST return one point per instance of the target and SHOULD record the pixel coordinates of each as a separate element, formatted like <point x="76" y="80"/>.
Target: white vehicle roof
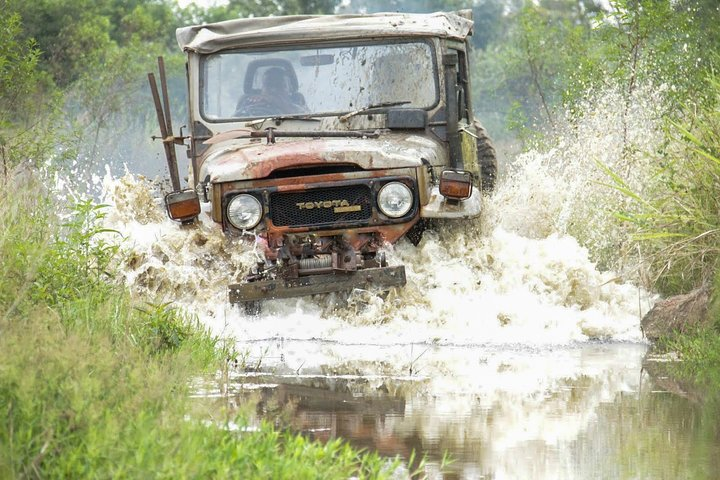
<point x="301" y="28"/>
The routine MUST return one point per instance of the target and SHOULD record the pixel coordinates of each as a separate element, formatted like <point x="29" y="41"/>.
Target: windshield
<point x="316" y="81"/>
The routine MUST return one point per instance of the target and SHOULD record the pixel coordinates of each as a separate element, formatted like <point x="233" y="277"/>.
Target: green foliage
<point x="247" y="8"/>
<point x="700" y="367"/>
<point x="71" y="34"/>
<point x="18" y="62"/>
<point x="110" y="102"/>
<point x="92" y="387"/>
<point x="77" y="260"/>
<point x="557" y="53"/>
<point x="700" y="351"/>
<point x="26" y="99"/>
<point x="77" y="406"/>
<point x="408" y="6"/>
<point x="98" y="53"/>
<point x="194" y="14"/>
<point x="163" y="328"/>
<point x="678" y="220"/>
<point x="23" y="238"/>
<point x="663" y="42"/>
<point x="539" y="62"/>
<point x="489" y="22"/>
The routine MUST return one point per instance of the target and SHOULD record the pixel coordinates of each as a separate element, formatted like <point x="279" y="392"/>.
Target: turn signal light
<point x="183" y="206"/>
<point x="456" y="185"/>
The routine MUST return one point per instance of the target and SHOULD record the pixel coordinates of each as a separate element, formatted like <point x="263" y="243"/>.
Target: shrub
<point x="91" y="386"/>
<point x="678" y="221"/>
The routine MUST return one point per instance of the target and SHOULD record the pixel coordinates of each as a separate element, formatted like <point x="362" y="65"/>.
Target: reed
<point x="677" y="219"/>
<point x="93" y="385"/>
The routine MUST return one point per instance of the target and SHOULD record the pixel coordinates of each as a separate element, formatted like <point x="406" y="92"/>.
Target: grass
<point x="699" y="350"/>
<point x="677" y="227"/>
<point x="94" y="386"/>
<point x="678" y="222"/>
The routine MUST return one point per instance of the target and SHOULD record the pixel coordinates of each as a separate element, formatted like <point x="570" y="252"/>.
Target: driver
<point x="275" y="97"/>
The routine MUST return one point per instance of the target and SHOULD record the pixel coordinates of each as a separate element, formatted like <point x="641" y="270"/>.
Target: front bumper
<point x="381" y="277"/>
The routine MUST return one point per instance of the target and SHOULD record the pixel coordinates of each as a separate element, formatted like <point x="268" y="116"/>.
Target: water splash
<point x="519" y="274"/>
<point x="563" y="188"/>
<point x="498" y="337"/>
<point x="163" y="260"/>
<point x="463" y="285"/>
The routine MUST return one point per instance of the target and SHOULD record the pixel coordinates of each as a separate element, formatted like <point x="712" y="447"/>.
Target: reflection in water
<point x="490" y="353"/>
<point x="582" y="411"/>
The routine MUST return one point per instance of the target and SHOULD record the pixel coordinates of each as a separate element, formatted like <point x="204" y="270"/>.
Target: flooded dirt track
<point x="515" y="346"/>
<point x="581" y="411"/>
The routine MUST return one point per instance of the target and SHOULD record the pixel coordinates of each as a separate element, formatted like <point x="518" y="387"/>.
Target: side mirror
<point x="456" y="184"/>
<point x="183" y="206"/>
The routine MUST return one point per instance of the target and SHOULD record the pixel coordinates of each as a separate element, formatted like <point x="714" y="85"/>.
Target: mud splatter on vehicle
<point x="327" y="137"/>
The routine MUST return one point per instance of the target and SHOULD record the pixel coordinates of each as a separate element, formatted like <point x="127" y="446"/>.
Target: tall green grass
<point x="94" y="386"/>
<point x="677" y="219"/>
<point x="677" y="227"/>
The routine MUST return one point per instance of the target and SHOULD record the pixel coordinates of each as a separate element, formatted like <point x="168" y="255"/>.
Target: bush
<point x="678" y="221"/>
<point x="91" y="386"/>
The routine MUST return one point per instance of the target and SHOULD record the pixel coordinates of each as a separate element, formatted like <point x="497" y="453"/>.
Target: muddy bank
<point x="677" y="314"/>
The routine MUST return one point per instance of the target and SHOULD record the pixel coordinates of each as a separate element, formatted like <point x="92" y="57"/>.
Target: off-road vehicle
<point x="327" y="137"/>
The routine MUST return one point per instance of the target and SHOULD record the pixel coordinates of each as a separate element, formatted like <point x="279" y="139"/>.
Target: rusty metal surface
<point x="236" y="160"/>
<point x="286" y="30"/>
<point x="367" y="233"/>
<point x="299" y="178"/>
<point x="307" y="161"/>
<point x="364" y="239"/>
<point x="163" y="116"/>
<point x="383" y="278"/>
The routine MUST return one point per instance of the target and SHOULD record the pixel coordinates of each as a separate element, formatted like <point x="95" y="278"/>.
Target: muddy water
<point x="515" y="347"/>
<point x="585" y="410"/>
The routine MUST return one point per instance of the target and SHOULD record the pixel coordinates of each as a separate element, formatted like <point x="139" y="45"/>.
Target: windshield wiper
<point x="279" y="119"/>
<point x="303" y="116"/>
<point x="271" y="134"/>
<point x="373" y="106"/>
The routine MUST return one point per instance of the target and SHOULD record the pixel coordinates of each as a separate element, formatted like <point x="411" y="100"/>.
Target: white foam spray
<point x="495" y="320"/>
<point x="517" y="275"/>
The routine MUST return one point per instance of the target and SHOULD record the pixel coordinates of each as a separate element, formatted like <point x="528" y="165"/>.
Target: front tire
<point x="487" y="158"/>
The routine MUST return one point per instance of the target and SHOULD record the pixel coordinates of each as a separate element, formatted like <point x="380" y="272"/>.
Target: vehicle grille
<point x="321" y="206"/>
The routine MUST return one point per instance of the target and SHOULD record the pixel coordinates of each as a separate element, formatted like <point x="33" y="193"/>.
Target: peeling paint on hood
<point x="239" y="159"/>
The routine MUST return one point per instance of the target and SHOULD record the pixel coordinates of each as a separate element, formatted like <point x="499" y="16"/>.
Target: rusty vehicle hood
<point x="235" y="160"/>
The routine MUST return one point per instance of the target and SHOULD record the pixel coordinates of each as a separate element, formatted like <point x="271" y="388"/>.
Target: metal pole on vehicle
<point x="165" y="123"/>
<point x="450" y="62"/>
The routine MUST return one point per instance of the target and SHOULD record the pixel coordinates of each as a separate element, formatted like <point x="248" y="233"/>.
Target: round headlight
<point x="395" y="199"/>
<point x="244" y="211"/>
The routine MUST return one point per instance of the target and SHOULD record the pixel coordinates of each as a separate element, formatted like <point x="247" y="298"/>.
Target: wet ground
<point x="519" y="359"/>
<point x="515" y="348"/>
<point x="579" y="411"/>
